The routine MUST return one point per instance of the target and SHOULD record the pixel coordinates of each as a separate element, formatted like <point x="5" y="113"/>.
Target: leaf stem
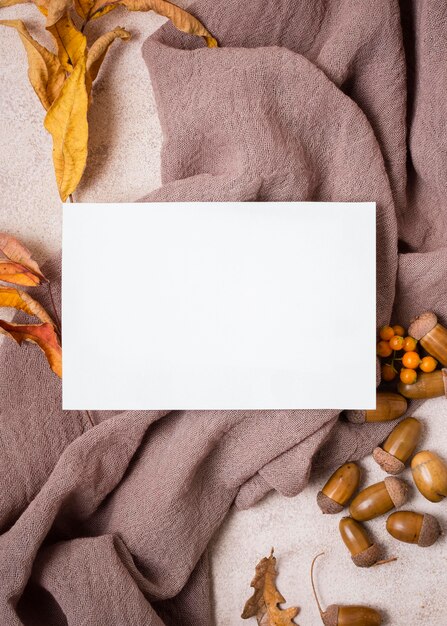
<point x="90" y="418"/>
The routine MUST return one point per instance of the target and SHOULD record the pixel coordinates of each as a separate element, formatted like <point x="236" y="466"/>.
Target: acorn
<point x="410" y="527"/>
<point x="431" y="335"/>
<point x="339" y="489"/>
<point x="399" y="446"/>
<point x="378" y="499"/>
<point x="339" y="615"/>
<point x="430" y="475"/>
<point x="389" y="406"/>
<point x="427" y="385"/>
<point x="364" y="552"/>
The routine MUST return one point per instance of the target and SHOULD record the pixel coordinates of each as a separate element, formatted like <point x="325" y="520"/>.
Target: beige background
<point x="124" y="165"/>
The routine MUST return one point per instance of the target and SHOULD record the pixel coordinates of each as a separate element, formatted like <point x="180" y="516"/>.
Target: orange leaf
<point x="42" y="335"/>
<point x="22" y="301"/>
<point x="18" y="262"/>
<point x="263" y="604"/>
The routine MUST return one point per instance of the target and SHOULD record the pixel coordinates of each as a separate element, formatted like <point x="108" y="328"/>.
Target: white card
<point x="202" y="305"/>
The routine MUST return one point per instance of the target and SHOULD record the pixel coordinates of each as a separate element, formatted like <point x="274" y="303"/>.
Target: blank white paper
<point x="254" y="305"/>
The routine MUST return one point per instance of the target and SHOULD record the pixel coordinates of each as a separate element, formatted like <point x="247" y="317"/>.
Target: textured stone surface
<point x="124" y="149"/>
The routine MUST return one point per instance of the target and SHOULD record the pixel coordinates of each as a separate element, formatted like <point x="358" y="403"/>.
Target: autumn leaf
<point x="11" y="3"/>
<point x="99" y="49"/>
<point x="45" y="72"/>
<point x="181" y="19"/>
<point x="42" y="335"/>
<point x="16" y="263"/>
<point x="263" y="604"/>
<point x="20" y="300"/>
<point x="66" y="121"/>
<point x="71" y="43"/>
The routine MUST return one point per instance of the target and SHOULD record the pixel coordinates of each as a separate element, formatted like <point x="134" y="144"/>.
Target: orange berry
<point x="428" y="364"/>
<point x="411" y="360"/>
<point x="388" y="372"/>
<point x="386" y="332"/>
<point x="399" y="330"/>
<point x="407" y="376"/>
<point x="410" y="344"/>
<point x="383" y="349"/>
<point x="396" y="342"/>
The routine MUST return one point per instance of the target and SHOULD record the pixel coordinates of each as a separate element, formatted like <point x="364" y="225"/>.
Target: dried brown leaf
<point x="45" y="72"/>
<point x="181" y="19"/>
<point x="22" y="301"/>
<point x="16" y="256"/>
<point x="99" y="49"/>
<point x="263" y="604"/>
<point x="42" y="335"/>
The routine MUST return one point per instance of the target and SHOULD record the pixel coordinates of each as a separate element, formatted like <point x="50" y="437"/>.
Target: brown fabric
<point x="304" y="101"/>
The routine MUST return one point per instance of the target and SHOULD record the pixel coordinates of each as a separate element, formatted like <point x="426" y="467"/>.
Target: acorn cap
<point x="356" y="417"/>
<point x="422" y="324"/>
<point x="397" y="490"/>
<point x="327" y="505"/>
<point x="368" y="557"/>
<point x="389" y="463"/>
<point x="330" y="615"/>
<point x="430" y="531"/>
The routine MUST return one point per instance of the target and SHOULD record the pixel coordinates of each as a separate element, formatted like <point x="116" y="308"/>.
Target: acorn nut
<point x="339" y="489"/>
<point x="431" y="335"/>
<point x="427" y="385"/>
<point x="399" y="446"/>
<point x="410" y="527"/>
<point x="389" y="406"/>
<point x="364" y="552"/>
<point x="378" y="499"/>
<point x="430" y="475"/>
<point x="339" y="615"/>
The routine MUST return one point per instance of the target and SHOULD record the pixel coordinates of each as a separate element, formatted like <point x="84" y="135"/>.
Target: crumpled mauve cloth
<point x="312" y="100"/>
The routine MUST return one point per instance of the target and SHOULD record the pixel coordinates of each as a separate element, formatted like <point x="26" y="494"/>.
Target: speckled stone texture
<point x="124" y="154"/>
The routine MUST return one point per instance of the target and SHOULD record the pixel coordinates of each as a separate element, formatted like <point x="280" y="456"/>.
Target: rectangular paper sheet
<point x="253" y="305"/>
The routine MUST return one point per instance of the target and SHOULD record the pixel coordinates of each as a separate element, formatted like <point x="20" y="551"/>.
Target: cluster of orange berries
<point x="393" y="342"/>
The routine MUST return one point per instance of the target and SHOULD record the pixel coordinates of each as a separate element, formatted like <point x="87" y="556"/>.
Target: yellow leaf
<point x="67" y="122"/>
<point x="99" y="49"/>
<point x="71" y="43"/>
<point x="263" y="604"/>
<point x="17" y="274"/>
<point x="15" y="252"/>
<point x="83" y="8"/>
<point x="181" y="19"/>
<point x="43" y="335"/>
<point x="11" y="3"/>
<point x="56" y="10"/>
<point x="20" y="300"/>
<point x="45" y="72"/>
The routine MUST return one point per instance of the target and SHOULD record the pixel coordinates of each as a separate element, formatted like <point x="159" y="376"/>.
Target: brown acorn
<point x="410" y="527"/>
<point x="431" y="335"/>
<point x="399" y="446"/>
<point x="378" y="499"/>
<point x="427" y="385"/>
<point x="339" y="489"/>
<point x="339" y="615"/>
<point x="389" y="406"/>
<point x="364" y="552"/>
<point x="430" y="475"/>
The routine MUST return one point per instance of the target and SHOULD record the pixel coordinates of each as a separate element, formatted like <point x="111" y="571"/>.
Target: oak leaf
<point x="263" y="604"/>
<point x="181" y="19"/>
<point x="66" y="121"/>
<point x="99" y="49"/>
<point x="42" y="335"/>
<point x="20" y="300"/>
<point x="45" y="71"/>
<point x="16" y="263"/>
